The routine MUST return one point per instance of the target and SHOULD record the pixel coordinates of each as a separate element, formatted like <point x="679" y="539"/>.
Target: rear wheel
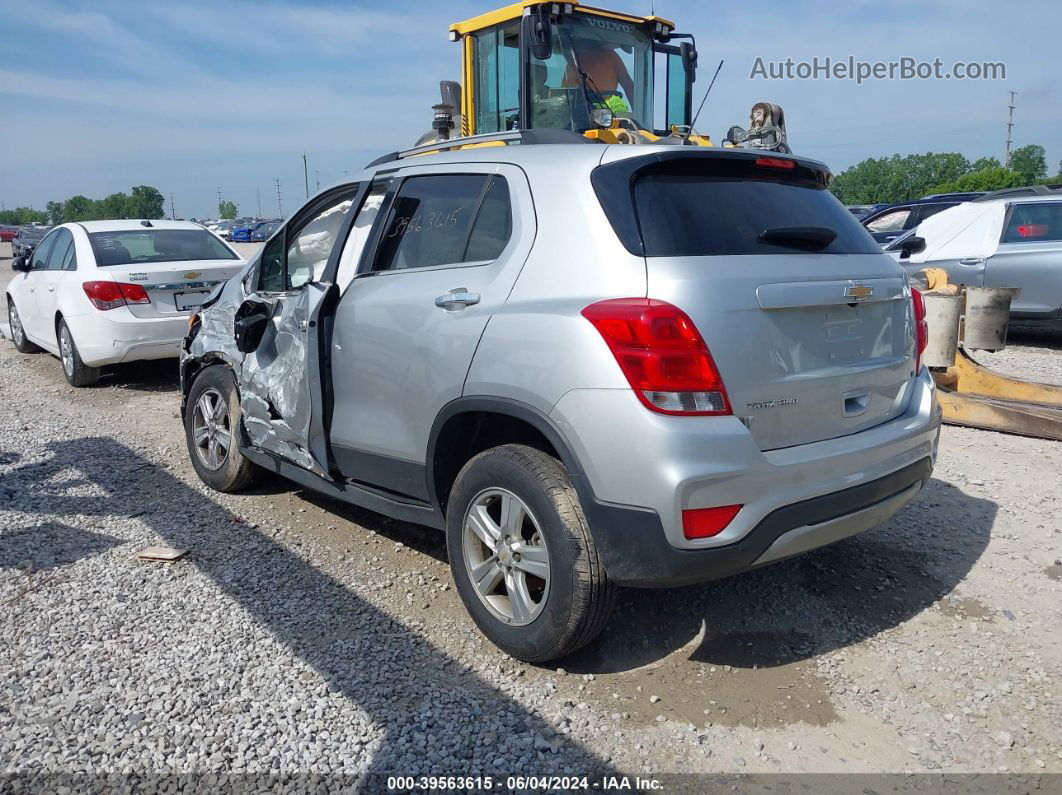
<point x="211" y="427"/>
<point x="76" y="371"/>
<point x="522" y="556"/>
<point x="18" y="334"/>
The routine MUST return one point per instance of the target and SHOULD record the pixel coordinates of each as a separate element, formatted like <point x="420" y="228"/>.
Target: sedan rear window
<point x="138" y="246"/>
<point x="711" y="206"/>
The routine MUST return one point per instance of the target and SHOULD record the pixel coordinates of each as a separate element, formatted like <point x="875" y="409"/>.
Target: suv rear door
<point x="1029" y="256"/>
<point x="280" y="384"/>
<point x="813" y="341"/>
<point x="442" y="258"/>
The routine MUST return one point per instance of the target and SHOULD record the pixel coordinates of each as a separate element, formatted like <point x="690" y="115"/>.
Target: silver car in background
<point x="588" y="365"/>
<point x="1008" y="238"/>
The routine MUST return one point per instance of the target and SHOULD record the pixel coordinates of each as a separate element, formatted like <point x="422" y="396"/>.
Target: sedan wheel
<point x="76" y="371"/>
<point x="18" y="333"/>
<point x="505" y="557"/>
<point x="211" y="433"/>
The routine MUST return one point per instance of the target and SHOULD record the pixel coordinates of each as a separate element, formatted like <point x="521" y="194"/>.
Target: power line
<point x="280" y="206"/>
<point x="1010" y="127"/>
<point x="173" y="212"/>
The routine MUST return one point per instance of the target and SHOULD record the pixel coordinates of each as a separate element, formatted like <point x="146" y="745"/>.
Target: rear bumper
<point x="640" y="471"/>
<point x="635" y="553"/>
<point x="117" y="336"/>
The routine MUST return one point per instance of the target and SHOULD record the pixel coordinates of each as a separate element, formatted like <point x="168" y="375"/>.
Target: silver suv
<point x="589" y="365"/>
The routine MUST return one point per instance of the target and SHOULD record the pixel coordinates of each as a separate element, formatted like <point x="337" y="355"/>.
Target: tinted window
<point x="889" y="222"/>
<point x="135" y="246"/>
<point x="927" y="210"/>
<point x="435" y="220"/>
<point x="64" y="241"/>
<point x="1032" y="223"/>
<point x="40" y="254"/>
<point x="70" y="260"/>
<point x="715" y="206"/>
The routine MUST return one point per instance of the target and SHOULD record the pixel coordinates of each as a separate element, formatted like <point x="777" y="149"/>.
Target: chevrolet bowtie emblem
<point x="859" y="291"/>
<point x="196" y="274"/>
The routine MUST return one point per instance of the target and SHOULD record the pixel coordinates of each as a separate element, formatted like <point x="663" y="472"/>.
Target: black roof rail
<point x="1029" y="190"/>
<point x="539" y="136"/>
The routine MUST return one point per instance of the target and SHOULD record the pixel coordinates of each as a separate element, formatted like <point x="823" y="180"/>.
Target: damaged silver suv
<point x="589" y="365"/>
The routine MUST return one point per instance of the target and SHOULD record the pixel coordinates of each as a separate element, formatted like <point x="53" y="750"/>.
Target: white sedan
<point x="102" y="292"/>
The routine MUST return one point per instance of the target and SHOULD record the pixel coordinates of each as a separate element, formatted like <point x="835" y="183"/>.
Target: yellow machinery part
<point x="968" y="377"/>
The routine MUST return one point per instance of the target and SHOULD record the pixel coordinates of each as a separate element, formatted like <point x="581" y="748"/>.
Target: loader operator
<point x="605" y="72"/>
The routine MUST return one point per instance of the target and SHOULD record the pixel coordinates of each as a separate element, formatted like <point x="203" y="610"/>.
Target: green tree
<point x="984" y="180"/>
<point x="897" y="178"/>
<point x="55" y="212"/>
<point x="23" y="215"/>
<point x="78" y="208"/>
<point x="226" y="209"/>
<point x="1030" y="161"/>
<point x="147" y="202"/>
<point x="983" y="163"/>
<point x="117" y="205"/>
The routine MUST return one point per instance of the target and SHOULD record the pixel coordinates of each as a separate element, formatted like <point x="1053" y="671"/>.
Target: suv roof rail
<point x="1029" y="190"/>
<point x="509" y="137"/>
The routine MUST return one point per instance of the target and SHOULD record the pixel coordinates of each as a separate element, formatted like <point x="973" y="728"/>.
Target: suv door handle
<point x="456" y="299"/>
<point x="971" y="261"/>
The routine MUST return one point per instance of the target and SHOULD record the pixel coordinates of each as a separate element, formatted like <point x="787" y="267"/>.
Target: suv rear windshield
<point x="136" y="246"/>
<point x="696" y="206"/>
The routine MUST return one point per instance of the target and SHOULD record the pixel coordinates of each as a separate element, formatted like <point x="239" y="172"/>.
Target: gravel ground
<point x="302" y="636"/>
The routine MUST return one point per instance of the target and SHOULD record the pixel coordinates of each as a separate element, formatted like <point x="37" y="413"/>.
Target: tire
<point x="76" y="371"/>
<point x="553" y="615"/>
<point x="213" y="403"/>
<point x="18" y="334"/>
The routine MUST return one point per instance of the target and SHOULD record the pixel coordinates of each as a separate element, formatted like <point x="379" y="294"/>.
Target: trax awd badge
<point x="859" y="292"/>
<point x="765" y="404"/>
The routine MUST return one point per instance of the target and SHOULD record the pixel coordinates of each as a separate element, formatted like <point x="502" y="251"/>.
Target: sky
<point x="101" y="95"/>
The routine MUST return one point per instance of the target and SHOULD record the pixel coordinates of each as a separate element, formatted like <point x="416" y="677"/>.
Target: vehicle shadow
<point x="158" y="375"/>
<point x="405" y="684"/>
<point x="1034" y="336"/>
<point x="809" y="605"/>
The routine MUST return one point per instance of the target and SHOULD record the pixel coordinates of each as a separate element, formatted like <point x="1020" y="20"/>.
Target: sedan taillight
<point x="111" y="295"/>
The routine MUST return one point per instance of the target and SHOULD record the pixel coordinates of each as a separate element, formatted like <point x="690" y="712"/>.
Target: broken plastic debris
<point x="161" y="554"/>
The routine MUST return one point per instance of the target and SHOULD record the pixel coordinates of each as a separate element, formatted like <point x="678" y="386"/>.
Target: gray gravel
<point x="300" y="636"/>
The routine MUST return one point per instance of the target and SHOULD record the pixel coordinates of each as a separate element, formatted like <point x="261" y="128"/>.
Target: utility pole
<point x="280" y="206"/>
<point x="258" y="194"/>
<point x="306" y="174"/>
<point x="1010" y="127"/>
<point x="219" y="201"/>
<point x="317" y="176"/>
<point x="173" y="212"/>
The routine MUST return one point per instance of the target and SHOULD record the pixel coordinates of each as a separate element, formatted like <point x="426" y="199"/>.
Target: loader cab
<point x="566" y="66"/>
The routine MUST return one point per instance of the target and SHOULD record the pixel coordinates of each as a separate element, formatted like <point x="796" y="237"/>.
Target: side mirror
<point x="688" y="53"/>
<point x="249" y="325"/>
<point x="912" y="245"/>
<point x="539" y="34"/>
<point x="21" y="263"/>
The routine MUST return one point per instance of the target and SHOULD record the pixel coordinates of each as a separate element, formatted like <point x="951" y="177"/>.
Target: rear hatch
<point x="808" y="322"/>
<point x="152" y="259"/>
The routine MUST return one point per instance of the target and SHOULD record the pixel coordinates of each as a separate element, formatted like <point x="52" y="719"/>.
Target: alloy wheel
<point x="211" y="434"/>
<point x="506" y="557"/>
<point x="66" y="350"/>
<point x="16" y="325"/>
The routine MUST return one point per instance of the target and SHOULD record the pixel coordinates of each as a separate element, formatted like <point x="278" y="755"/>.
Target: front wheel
<point x="18" y="333"/>
<point x="211" y="428"/>
<point x="522" y="556"/>
<point x="76" y="371"/>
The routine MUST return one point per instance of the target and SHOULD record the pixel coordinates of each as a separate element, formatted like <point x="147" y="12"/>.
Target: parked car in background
<point x="887" y="224"/>
<point x="1007" y="238"/>
<point x="223" y="229"/>
<point x="27" y="238"/>
<point x="265" y="231"/>
<point x="860" y="210"/>
<point x="102" y="292"/>
<point x="7" y="233"/>
<point x="697" y="398"/>
<point x="241" y="233"/>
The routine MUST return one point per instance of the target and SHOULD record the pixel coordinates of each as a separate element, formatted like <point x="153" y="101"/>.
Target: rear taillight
<point x="111" y="295"/>
<point x="921" y="327"/>
<point x="662" y="355"/>
<point x="708" y="522"/>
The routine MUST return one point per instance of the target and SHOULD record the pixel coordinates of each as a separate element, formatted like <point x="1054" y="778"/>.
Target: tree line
<point x="143" y="201"/>
<point x="902" y="178"/>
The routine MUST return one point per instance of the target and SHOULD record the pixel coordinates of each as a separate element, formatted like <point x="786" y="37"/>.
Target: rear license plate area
<point x="186" y="302"/>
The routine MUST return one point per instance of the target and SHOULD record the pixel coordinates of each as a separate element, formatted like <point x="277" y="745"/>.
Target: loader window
<point x="497" y="96"/>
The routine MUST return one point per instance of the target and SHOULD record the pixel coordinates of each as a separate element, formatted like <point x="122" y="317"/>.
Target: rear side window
<point x="890" y="222"/>
<point x="1033" y="223"/>
<point x="712" y="206"/>
<point x="446" y="220"/>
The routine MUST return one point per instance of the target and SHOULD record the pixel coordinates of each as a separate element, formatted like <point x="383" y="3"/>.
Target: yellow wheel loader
<point x="536" y="65"/>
